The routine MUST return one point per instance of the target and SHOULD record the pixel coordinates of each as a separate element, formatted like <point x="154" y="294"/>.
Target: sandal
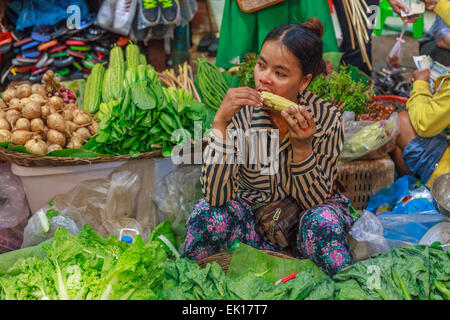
<point x="205" y="42"/>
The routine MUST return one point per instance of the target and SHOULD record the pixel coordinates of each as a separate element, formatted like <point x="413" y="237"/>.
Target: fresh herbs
<point x="246" y="70"/>
<point x="339" y="88"/>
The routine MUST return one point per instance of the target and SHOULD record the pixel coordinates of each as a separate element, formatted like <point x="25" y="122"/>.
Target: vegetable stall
<point x="89" y="164"/>
<point x="135" y="112"/>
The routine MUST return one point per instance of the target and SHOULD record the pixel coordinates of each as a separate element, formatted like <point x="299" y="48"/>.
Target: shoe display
<point x="151" y="12"/>
<point x="170" y="11"/>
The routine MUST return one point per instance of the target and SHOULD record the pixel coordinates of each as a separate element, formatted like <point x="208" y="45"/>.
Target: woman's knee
<point x="406" y="132"/>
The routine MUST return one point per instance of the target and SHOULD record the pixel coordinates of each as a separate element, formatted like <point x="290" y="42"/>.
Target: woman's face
<point x="278" y="71"/>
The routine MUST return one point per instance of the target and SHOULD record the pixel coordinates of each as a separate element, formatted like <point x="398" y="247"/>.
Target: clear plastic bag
<point x="177" y="194"/>
<point x="395" y="57"/>
<point x="378" y="234"/>
<point x="13" y="204"/>
<point x="368" y="139"/>
<point x="122" y="200"/>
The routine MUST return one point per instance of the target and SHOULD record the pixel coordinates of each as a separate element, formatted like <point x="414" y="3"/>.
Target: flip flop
<point x="37" y="78"/>
<point x="63" y="62"/>
<point x="205" y="42"/>
<point x="31" y="54"/>
<point x="4" y="48"/>
<point x="42" y="61"/>
<point x="22" y="42"/>
<point x="29" y="45"/>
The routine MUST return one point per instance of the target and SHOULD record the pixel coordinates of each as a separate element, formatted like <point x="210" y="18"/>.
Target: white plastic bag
<point x="13" y="204"/>
<point x="379" y="234"/>
<point x="122" y="200"/>
<point x="177" y="195"/>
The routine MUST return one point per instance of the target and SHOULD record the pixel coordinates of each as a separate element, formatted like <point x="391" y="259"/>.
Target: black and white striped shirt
<point x="250" y="178"/>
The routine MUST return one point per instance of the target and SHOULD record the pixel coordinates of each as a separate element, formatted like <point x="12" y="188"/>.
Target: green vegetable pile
<point x="145" y="115"/>
<point x="246" y="70"/>
<point x="339" y="88"/>
<point x="408" y="273"/>
<point x="211" y="83"/>
<point x="87" y="266"/>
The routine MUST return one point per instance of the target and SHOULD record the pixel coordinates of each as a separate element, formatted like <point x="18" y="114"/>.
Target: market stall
<point x="101" y="157"/>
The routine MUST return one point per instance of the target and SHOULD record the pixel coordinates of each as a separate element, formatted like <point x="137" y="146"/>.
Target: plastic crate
<point x="363" y="178"/>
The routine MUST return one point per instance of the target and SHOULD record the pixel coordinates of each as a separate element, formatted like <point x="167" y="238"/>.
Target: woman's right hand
<point x="234" y="100"/>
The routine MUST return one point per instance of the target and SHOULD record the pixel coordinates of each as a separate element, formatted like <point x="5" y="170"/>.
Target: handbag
<point x="278" y="221"/>
<point x="249" y="6"/>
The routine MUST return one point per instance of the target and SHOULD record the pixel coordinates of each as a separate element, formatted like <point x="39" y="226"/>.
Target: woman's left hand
<point x="301" y="131"/>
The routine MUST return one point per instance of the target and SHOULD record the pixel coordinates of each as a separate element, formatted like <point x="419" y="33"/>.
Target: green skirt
<point x="242" y="32"/>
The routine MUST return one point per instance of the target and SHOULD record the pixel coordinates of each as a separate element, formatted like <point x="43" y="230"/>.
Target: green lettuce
<point x="87" y="266"/>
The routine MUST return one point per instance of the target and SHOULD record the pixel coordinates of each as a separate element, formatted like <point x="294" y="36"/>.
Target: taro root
<point x="9" y="94"/>
<point x="20" y="137"/>
<point x="23" y="91"/>
<point x="36" y="145"/>
<point x="5" y="136"/>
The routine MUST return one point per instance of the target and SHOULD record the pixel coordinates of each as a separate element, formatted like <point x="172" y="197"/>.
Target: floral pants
<point x="321" y="234"/>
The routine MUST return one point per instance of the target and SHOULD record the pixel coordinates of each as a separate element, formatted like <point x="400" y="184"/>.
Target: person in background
<point x="353" y="56"/>
<point x="440" y="7"/>
<point x="422" y="148"/>
<point x="242" y="32"/>
<point x="436" y="42"/>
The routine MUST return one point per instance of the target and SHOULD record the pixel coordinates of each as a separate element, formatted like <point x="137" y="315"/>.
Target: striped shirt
<point x="263" y="170"/>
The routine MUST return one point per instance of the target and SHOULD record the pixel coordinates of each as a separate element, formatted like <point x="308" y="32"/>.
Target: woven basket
<point x="29" y="160"/>
<point x="364" y="178"/>
<point x="224" y="258"/>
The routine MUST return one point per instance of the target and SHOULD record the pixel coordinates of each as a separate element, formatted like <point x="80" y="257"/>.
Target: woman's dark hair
<point x="304" y="41"/>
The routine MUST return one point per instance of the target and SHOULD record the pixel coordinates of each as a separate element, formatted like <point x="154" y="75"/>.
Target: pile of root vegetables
<point x="44" y="117"/>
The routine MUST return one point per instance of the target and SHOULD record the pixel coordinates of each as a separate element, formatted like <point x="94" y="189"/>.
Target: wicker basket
<point x="29" y="160"/>
<point x="364" y="178"/>
<point x="224" y="258"/>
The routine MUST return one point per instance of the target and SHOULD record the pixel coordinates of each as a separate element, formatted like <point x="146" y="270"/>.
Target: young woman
<point x="310" y="140"/>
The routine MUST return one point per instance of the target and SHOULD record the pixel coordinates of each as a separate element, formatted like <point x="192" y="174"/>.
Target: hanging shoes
<point x="151" y="12"/>
<point x="170" y="11"/>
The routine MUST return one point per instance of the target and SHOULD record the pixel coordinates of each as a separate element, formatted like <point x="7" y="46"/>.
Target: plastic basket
<point x="363" y="178"/>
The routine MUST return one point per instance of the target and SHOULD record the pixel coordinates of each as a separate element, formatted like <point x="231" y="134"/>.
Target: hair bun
<point x="314" y="25"/>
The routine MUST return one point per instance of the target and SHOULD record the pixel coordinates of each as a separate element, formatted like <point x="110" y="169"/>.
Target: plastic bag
<point x="378" y="234"/>
<point x="395" y="57"/>
<point x="122" y="200"/>
<point x="369" y="140"/>
<point x="177" y="195"/>
<point x="406" y="195"/>
<point x="13" y="204"/>
<point x="44" y="12"/>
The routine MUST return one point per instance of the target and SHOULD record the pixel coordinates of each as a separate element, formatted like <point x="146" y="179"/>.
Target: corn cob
<point x="276" y="102"/>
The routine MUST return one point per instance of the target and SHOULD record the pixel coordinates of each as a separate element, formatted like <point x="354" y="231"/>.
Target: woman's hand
<point x="421" y="75"/>
<point x="301" y="131"/>
<point x="430" y="4"/>
<point x="234" y="100"/>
